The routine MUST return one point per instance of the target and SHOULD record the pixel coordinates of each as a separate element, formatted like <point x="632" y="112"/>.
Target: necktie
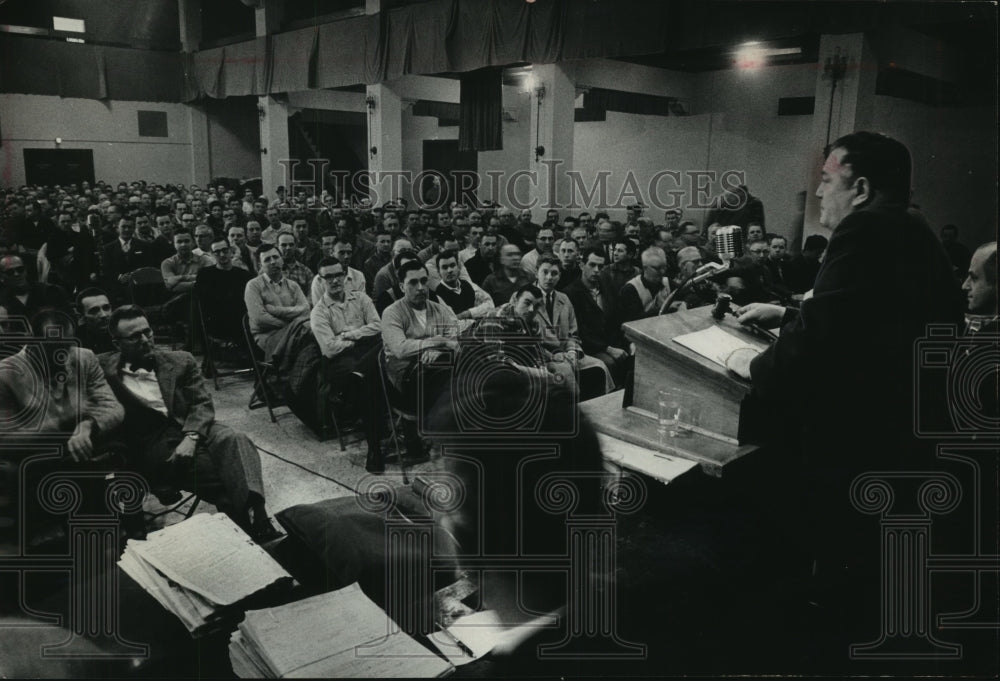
<point x="146" y="363"/>
<point x="548" y="305"/>
<point x="126" y="246"/>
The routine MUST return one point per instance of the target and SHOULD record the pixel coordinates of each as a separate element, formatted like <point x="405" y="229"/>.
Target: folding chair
<point x="261" y="395"/>
<point x="147" y="290"/>
<point x="210" y="342"/>
<point x="396" y="411"/>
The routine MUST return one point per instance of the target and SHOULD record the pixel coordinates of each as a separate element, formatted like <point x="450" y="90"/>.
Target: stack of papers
<point x="200" y="568"/>
<point x="715" y="344"/>
<point x="340" y="634"/>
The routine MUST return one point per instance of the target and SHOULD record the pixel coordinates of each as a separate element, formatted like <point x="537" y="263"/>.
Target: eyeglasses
<point x="334" y="276"/>
<point x="220" y="251"/>
<point x="138" y="335"/>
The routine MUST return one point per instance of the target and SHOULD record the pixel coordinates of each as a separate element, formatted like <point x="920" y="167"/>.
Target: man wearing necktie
<point x="171" y="428"/>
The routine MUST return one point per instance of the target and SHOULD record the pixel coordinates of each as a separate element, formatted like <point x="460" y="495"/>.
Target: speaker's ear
<point x="862" y="191"/>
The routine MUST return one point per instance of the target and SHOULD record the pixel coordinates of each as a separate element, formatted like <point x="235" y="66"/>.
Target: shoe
<point x="375" y="462"/>
<point x="265" y="532"/>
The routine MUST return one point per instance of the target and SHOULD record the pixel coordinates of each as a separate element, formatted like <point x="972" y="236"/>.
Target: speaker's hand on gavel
<point x="766" y="315"/>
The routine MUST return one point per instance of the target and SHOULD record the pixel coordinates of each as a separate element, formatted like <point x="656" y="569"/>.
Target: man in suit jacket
<point x="123" y="256"/>
<point x="596" y="316"/>
<point x="170" y="425"/>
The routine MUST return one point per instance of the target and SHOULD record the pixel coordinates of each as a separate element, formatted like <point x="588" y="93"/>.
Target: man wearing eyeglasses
<point x="348" y="330"/>
<point x="342" y="250"/>
<point x="170" y="426"/>
<point x="19" y="297"/>
<point x="643" y="295"/>
<point x="219" y="290"/>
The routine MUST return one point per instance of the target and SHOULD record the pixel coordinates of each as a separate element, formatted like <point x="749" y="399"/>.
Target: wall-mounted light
<point x="753" y="54"/>
<point x="261" y="111"/>
<point x="58" y="141"/>
<point x="834" y="70"/>
<point x="370" y="102"/>
<point x="539" y="96"/>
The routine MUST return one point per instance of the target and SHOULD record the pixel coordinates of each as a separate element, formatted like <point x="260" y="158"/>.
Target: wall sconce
<point x="370" y="103"/>
<point x="834" y="70"/>
<point x="261" y="111"/>
<point x="539" y="96"/>
<point x="58" y="141"/>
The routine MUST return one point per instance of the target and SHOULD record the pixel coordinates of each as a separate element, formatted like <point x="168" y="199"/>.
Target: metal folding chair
<point x="261" y="395"/>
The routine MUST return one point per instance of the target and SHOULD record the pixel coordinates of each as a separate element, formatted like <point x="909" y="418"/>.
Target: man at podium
<point x="840" y="376"/>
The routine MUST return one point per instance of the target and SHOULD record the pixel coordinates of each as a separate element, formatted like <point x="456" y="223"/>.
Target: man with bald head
<point x="385" y="278"/>
<point x="644" y="295"/>
<point x="689" y="259"/>
<point x="502" y="284"/>
<point x="980" y="288"/>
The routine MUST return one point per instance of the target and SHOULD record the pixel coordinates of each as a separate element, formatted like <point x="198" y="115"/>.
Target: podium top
<point x="657" y="334"/>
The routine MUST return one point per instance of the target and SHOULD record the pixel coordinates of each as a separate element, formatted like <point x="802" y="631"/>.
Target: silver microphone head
<point x="729" y="242"/>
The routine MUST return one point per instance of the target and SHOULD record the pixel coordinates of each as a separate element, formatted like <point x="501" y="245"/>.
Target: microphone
<point x="706" y="271"/>
<point x="729" y="242"/>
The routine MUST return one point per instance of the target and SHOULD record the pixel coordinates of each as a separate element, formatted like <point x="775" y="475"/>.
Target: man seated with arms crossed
<point x="80" y="407"/>
<point x="466" y="300"/>
<point x="170" y="426"/>
<point x="93" y="311"/>
<point x="596" y="316"/>
<point x="348" y="331"/>
<point x="416" y="333"/>
<point x="278" y="310"/>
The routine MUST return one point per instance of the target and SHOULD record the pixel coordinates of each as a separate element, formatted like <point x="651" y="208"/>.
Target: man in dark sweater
<point x="465" y="299"/>
<point x="219" y="290"/>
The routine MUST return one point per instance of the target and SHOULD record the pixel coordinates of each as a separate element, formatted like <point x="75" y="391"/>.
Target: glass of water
<point x="677" y="412"/>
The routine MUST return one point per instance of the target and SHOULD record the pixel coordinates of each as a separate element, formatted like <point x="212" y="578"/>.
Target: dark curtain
<point x="481" y="113"/>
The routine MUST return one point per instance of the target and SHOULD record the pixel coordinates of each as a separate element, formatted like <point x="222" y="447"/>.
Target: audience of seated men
<point x="21" y="298"/>
<point x="170" y="427"/>
<point x="348" y="331"/>
<point x="93" y="309"/>
<point x="509" y="277"/>
<point x="417" y="334"/>
<point x="467" y="300"/>
<point x="597" y="318"/>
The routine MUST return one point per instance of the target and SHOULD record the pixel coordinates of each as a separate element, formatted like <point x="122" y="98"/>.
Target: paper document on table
<point x="340" y="634"/>
<point x="482" y="632"/>
<point x="211" y="556"/>
<point x="657" y="465"/>
<point x="714" y="343"/>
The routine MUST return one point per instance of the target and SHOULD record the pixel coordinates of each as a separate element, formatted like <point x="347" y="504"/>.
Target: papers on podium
<point x="340" y="634"/>
<point x="199" y="568"/>
<point x="714" y="343"/>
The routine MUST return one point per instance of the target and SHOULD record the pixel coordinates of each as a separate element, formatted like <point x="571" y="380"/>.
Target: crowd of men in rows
<point x="310" y="274"/>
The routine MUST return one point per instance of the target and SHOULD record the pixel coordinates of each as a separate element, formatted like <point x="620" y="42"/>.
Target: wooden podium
<point x="660" y="362"/>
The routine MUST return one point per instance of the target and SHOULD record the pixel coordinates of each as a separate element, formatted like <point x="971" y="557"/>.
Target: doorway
<point x="58" y="166"/>
<point x="459" y="168"/>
